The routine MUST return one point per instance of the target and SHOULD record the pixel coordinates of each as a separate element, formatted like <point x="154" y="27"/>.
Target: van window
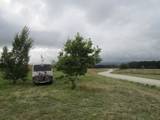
<point x="42" y="68"/>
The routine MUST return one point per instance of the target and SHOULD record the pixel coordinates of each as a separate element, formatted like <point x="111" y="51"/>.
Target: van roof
<point x="42" y="67"/>
<point x="41" y="64"/>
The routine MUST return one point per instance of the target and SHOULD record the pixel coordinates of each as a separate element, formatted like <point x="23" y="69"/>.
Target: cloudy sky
<point x="126" y="30"/>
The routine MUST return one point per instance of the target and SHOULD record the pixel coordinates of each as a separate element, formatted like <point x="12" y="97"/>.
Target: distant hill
<point x="134" y="64"/>
<point x="145" y="64"/>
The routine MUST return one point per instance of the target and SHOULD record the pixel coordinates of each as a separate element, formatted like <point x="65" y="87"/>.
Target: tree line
<point x="77" y="55"/>
<point x="141" y="64"/>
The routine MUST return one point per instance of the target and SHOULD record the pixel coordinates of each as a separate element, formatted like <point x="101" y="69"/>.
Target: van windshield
<point x="42" y="68"/>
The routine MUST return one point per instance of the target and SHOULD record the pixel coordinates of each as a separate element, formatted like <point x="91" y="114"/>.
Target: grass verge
<point x="145" y="73"/>
<point x="96" y="98"/>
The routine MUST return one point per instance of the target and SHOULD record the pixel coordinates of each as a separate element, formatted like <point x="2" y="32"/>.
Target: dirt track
<point x="130" y="78"/>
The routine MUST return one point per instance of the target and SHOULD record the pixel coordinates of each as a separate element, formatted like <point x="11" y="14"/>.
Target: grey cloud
<point x="125" y="30"/>
<point x="7" y="32"/>
<point x="49" y="39"/>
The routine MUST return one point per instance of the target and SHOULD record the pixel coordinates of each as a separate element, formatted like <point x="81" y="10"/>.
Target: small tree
<point x="15" y="63"/>
<point x="78" y="55"/>
<point x="5" y="61"/>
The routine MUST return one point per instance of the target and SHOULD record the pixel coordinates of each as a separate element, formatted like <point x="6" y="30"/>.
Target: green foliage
<point x="14" y="64"/>
<point x="78" y="55"/>
<point x="123" y="66"/>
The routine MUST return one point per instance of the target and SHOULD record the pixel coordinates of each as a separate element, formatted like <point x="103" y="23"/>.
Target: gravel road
<point x="130" y="78"/>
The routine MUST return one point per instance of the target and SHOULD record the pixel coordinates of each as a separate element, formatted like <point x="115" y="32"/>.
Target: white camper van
<point x="42" y="74"/>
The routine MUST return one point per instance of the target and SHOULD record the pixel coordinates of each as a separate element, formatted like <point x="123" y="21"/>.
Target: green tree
<point x="77" y="56"/>
<point x="4" y="61"/>
<point x="15" y="63"/>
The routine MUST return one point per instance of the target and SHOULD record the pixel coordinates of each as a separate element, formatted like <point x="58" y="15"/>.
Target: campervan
<point x="42" y="74"/>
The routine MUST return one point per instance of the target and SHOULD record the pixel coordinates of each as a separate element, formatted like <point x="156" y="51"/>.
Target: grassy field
<point x="100" y="70"/>
<point x="96" y="98"/>
<point x="146" y="73"/>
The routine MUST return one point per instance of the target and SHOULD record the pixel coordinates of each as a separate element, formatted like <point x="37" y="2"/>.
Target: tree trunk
<point x="73" y="84"/>
<point x="74" y="80"/>
<point x="14" y="81"/>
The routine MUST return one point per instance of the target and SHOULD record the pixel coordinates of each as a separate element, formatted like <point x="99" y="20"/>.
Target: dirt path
<point x="130" y="78"/>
